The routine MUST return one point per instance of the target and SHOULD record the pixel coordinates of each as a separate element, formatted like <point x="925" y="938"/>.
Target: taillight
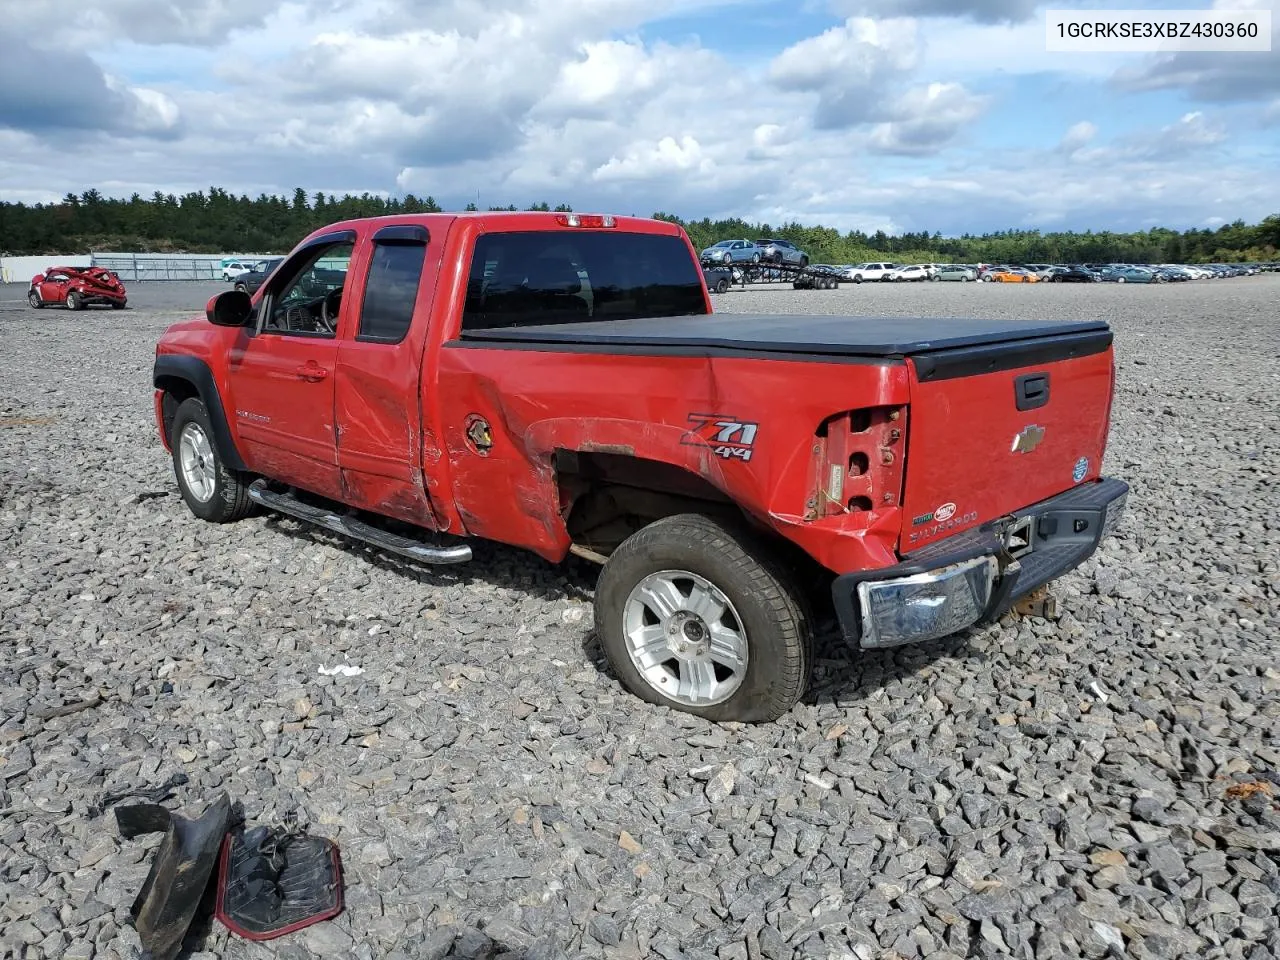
<point x="585" y="220"/>
<point x="858" y="461"/>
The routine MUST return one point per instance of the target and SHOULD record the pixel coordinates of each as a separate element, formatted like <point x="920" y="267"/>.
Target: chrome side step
<point x="349" y="526"/>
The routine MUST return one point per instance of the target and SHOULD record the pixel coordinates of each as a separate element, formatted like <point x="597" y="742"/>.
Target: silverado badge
<point x="1028" y="439"/>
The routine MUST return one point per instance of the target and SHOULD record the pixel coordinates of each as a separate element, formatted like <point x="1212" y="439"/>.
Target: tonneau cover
<point x="790" y="333"/>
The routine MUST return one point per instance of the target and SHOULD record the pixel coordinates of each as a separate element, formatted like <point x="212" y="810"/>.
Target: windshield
<point x="537" y="277"/>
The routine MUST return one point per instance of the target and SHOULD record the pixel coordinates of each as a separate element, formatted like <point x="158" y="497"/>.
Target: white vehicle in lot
<point x="913" y="273"/>
<point x="871" y="271"/>
<point x="233" y="269"/>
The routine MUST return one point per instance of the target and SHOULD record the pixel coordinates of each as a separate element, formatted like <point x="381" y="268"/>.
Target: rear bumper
<point x="975" y="576"/>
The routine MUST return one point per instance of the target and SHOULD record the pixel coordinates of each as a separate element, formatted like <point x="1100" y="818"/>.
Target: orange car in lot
<point x="1008" y="275"/>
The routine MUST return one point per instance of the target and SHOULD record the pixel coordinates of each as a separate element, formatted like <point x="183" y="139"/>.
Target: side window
<point x="307" y="301"/>
<point x="391" y="291"/>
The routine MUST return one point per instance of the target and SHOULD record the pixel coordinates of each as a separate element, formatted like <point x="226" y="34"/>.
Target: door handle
<point x="311" y="372"/>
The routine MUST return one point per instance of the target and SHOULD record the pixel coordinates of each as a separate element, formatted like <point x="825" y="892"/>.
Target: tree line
<point x="217" y="221"/>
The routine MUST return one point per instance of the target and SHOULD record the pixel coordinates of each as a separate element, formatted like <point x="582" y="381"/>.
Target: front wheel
<point x="73" y="301"/>
<point x="212" y="490"/>
<point x="33" y="298"/>
<point x="242" y="288"/>
<point x="117" y="304"/>
<point x="722" y="285"/>
<point x="755" y="258"/>
<point x="804" y="261"/>
<point x="857" y="278"/>
<point x="694" y="617"/>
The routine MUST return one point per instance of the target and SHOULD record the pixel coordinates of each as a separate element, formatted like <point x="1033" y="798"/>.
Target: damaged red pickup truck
<point x="558" y="382"/>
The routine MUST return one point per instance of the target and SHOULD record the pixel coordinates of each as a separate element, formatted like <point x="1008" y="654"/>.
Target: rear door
<point x="376" y="404"/>
<point x="998" y="428"/>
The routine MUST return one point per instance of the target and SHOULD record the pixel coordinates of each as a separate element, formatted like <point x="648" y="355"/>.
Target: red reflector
<point x="584" y="220"/>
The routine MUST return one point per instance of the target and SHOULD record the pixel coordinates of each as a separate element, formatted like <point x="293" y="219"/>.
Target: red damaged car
<point x="77" y="287"/>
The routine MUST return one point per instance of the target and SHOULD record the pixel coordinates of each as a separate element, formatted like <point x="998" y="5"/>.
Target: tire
<point x="117" y="304"/>
<point x="722" y="285"/>
<point x="935" y="278"/>
<point x="804" y="261"/>
<point x="1120" y="280"/>
<point x="693" y="552"/>
<point x="73" y="301"/>
<point x="241" y="287"/>
<point x="755" y="258"/>
<point x="988" y="278"/>
<point x="33" y="298"/>
<point x="857" y="278"/>
<point x="227" y="497"/>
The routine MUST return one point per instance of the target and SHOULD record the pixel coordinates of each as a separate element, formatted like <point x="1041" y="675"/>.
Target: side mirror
<point x="232" y="308"/>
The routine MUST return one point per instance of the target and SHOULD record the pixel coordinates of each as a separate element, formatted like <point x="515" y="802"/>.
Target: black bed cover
<point x="791" y="333"/>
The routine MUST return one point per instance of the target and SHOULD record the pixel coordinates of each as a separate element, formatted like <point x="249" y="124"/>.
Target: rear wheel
<point x="117" y="304"/>
<point x="695" y="617"/>
<point x="722" y="285"/>
<point x="73" y="301"/>
<point x="33" y="298"/>
<point x="212" y="490"/>
<point x="804" y="261"/>
<point x="242" y="288"/>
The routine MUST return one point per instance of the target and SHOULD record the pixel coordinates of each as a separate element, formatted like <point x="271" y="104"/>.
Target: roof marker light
<point x="585" y="220"/>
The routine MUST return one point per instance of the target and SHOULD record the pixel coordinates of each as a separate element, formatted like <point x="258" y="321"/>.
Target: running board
<point x="349" y="526"/>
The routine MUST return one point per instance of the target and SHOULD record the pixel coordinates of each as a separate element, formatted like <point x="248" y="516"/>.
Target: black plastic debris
<point x="270" y="880"/>
<point x="180" y="872"/>
<point x="274" y="880"/>
<point x="155" y="794"/>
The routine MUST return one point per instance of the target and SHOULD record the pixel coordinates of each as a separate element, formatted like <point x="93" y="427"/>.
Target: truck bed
<point x="872" y="337"/>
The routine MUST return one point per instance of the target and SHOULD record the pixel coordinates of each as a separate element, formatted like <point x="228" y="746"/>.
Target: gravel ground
<point x="1097" y="786"/>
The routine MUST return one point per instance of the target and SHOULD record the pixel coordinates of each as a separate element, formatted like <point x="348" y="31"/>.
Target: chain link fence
<point x="136" y="267"/>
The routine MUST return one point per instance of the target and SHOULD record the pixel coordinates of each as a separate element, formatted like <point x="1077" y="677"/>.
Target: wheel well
<point x="176" y="390"/>
<point x="607" y="497"/>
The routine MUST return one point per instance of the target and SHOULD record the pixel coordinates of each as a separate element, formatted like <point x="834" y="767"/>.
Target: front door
<point x="282" y="377"/>
<point x="379" y="417"/>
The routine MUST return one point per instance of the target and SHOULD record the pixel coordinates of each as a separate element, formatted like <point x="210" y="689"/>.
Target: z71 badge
<point x="727" y="436"/>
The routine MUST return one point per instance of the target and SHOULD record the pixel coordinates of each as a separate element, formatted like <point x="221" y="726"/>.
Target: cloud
<point x="981" y="11"/>
<point x="927" y="120"/>
<point x="1078" y="135"/>
<point x="1247" y="76"/>
<point x="73" y="93"/>
<point x="849" y="67"/>
<point x="191" y="22"/>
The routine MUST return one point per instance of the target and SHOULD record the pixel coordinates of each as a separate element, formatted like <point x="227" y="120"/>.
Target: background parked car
<point x="251" y="281"/>
<point x="733" y="251"/>
<point x="913" y="273"/>
<point x="1075" y="274"/>
<point x="718" y="278"/>
<point x="233" y="269"/>
<point x="956" y="271"/>
<point x="77" y="288"/>
<point x="1123" y="273"/>
<point x="782" y="251"/>
<point x="871" y="271"/>
<point x="1007" y="274"/>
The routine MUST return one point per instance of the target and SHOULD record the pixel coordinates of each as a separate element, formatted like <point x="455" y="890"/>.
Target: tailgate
<point x="1000" y="427"/>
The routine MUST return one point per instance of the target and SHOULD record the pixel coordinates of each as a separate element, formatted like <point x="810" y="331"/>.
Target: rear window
<point x="575" y="276"/>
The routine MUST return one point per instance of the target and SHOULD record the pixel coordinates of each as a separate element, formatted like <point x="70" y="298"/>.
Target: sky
<point x="895" y="115"/>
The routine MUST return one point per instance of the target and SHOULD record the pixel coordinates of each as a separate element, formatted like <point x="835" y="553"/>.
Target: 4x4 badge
<point x="1028" y="439"/>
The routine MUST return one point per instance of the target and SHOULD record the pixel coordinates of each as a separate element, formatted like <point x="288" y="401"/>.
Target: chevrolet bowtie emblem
<point x="1028" y="439"/>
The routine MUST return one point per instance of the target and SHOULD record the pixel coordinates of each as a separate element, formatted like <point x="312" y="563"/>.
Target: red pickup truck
<point x="559" y="382"/>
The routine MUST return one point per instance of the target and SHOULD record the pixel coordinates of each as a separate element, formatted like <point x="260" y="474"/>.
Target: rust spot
<point x="619" y="448"/>
<point x="1243" y="791"/>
